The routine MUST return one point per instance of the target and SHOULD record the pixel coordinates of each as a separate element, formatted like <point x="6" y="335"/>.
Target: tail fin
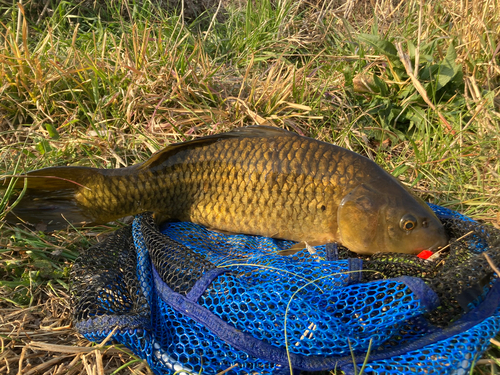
<point x="49" y="201"/>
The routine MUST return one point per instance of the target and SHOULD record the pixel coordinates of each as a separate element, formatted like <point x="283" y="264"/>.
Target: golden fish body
<point x="255" y="180"/>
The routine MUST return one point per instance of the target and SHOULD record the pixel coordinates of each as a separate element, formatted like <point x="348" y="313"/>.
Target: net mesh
<point x="190" y="300"/>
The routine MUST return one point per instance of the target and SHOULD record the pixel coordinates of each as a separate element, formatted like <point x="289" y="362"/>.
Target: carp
<point x="254" y="180"/>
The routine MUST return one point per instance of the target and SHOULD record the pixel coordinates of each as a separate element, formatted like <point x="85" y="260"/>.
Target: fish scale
<point x="256" y="180"/>
<point x="221" y="206"/>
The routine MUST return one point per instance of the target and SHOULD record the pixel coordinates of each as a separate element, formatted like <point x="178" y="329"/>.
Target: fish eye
<point x="408" y="222"/>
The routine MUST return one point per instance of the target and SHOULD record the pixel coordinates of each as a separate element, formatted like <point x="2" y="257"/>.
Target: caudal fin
<point x="49" y="202"/>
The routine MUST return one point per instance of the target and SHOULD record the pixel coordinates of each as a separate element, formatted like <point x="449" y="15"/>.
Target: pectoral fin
<point x="299" y="246"/>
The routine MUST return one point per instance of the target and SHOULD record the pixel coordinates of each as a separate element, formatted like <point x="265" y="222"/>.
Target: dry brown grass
<point x="40" y="340"/>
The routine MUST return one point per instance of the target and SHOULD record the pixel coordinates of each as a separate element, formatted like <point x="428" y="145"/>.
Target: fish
<point x="254" y="180"/>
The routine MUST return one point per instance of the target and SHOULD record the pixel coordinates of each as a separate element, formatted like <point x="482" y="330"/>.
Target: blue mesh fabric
<point x="454" y="355"/>
<point x="255" y="311"/>
<point x="450" y="351"/>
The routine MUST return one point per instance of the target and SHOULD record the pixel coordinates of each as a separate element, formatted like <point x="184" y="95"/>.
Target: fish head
<point x="390" y="220"/>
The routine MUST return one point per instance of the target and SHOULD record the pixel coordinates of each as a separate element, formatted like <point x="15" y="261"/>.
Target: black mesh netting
<point x="190" y="300"/>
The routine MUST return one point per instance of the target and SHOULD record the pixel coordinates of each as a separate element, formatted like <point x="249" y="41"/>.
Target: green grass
<point x="106" y="86"/>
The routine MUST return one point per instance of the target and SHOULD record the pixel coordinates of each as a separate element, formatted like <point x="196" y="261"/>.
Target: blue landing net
<point x="189" y="301"/>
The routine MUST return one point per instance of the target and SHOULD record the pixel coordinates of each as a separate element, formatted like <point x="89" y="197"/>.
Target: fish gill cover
<point x="189" y="300"/>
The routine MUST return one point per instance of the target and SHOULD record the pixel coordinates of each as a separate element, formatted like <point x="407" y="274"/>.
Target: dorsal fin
<point x="246" y="132"/>
<point x="257" y="131"/>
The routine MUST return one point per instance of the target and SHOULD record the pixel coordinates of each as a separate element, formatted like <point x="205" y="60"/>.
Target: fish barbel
<point x="254" y="180"/>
